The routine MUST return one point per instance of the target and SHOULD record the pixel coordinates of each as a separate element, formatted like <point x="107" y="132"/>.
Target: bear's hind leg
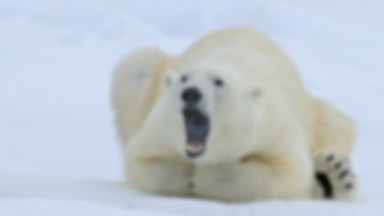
<point x="137" y="72"/>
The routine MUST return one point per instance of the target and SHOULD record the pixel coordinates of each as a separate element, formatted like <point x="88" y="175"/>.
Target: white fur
<point x="265" y="127"/>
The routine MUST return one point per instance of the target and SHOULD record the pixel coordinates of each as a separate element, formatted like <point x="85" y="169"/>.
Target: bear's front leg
<point x="164" y="176"/>
<point x="334" y="176"/>
<point x="254" y="178"/>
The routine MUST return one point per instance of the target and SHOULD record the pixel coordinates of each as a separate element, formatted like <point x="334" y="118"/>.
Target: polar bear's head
<point x="214" y="107"/>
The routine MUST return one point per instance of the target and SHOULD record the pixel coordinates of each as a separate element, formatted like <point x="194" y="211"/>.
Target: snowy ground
<point x="58" y="150"/>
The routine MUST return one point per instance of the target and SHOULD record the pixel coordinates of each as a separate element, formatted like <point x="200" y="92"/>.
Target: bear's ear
<point x="255" y="92"/>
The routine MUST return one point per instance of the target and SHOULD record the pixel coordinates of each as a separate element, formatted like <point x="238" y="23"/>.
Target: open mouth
<point x="197" y="130"/>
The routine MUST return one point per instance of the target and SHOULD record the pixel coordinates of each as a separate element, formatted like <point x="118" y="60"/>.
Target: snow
<point x="58" y="149"/>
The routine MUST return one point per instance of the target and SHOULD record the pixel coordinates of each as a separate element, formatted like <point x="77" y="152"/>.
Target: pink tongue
<point x="194" y="147"/>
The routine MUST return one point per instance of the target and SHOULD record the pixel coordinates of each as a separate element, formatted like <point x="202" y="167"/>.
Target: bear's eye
<point x="218" y="82"/>
<point x="184" y="78"/>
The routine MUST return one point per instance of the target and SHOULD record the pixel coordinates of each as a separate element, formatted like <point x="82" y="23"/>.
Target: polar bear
<point x="229" y="119"/>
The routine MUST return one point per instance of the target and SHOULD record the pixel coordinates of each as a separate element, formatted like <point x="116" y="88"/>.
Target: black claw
<point x="343" y="174"/>
<point x="338" y="165"/>
<point x="348" y="186"/>
<point x="330" y="158"/>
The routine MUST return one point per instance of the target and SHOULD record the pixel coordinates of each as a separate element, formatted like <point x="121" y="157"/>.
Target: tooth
<point x="194" y="148"/>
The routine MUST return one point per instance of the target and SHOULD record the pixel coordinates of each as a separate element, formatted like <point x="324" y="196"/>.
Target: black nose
<point x="191" y="96"/>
